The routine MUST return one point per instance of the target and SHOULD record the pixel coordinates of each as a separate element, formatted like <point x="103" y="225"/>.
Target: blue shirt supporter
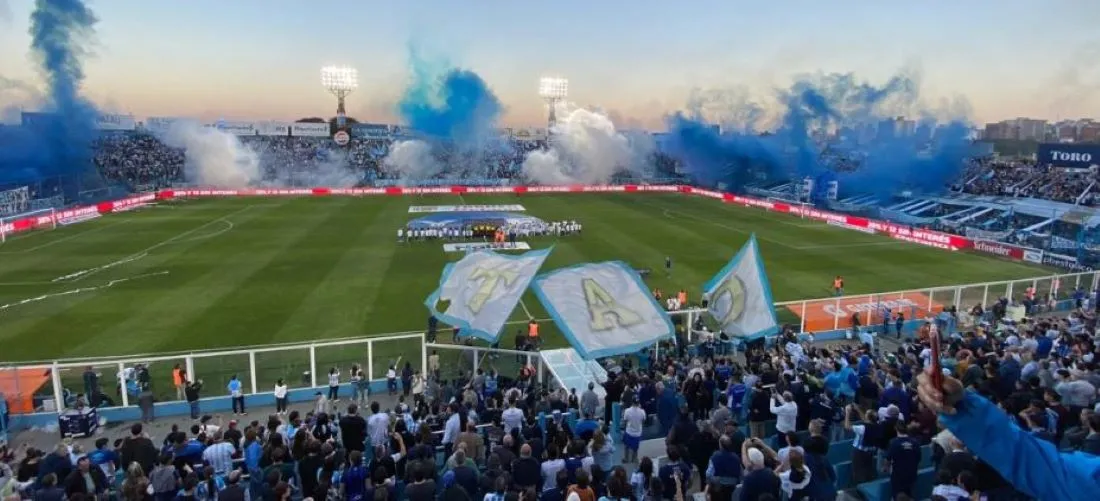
<point x="725" y="467"/>
<point x="1031" y="464"/>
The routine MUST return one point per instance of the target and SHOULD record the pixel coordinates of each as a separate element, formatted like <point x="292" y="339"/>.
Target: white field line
<point x="80" y="290"/>
<point x="525" y="310"/>
<point x="66" y="239"/>
<point x="78" y="275"/>
<point x="229" y="226"/>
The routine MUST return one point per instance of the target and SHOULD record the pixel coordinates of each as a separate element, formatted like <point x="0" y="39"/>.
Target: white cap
<point x="756" y="458"/>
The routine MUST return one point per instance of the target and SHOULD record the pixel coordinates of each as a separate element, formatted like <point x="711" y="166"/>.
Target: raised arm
<point x="1029" y="463"/>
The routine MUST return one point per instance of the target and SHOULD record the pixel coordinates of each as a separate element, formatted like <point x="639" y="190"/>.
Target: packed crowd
<point x="142" y="161"/>
<point x="1030" y="390"/>
<point x="138" y="160"/>
<point x="1026" y="179"/>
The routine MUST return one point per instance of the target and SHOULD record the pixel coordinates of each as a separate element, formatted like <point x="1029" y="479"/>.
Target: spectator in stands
<point x="236" y="394"/>
<point x="759" y="480"/>
<point x="1031" y="464"/>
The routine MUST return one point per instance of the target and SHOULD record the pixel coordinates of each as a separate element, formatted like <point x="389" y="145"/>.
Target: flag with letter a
<point x="483" y="288"/>
<point x="603" y="309"/>
<point x="740" y="297"/>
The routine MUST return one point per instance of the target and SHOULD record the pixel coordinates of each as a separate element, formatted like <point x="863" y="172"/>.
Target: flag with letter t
<point x="740" y="297"/>
<point x="483" y="288"/>
<point x="603" y="309"/>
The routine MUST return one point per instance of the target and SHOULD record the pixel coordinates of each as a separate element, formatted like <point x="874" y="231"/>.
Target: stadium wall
<point x="910" y="234"/>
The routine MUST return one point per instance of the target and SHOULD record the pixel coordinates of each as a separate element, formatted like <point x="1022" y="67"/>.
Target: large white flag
<point x="741" y="297"/>
<point x="603" y="309"/>
<point x="483" y="288"/>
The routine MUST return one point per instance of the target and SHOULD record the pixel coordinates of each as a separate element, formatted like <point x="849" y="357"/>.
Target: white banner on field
<point x="479" y="246"/>
<point x="603" y="309"/>
<point x="740" y="297"/>
<point x="419" y="209"/>
<point x="483" y="288"/>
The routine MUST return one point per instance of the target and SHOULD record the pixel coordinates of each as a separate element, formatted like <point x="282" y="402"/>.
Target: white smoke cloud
<point x="412" y="160"/>
<point x="214" y="158"/>
<point x="586" y="149"/>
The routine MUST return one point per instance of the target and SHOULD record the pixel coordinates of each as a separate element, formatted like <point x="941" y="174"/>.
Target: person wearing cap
<point x="759" y="479"/>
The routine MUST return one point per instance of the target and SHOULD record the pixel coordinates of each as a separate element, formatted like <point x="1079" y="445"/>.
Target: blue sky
<point x="259" y="59"/>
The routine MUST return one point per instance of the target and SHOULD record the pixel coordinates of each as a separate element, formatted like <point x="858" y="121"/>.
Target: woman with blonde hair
<point x="601" y="449"/>
<point x="135" y="487"/>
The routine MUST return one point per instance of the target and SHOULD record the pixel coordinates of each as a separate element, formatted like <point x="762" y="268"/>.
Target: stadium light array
<point x="340" y="81"/>
<point x="553" y="88"/>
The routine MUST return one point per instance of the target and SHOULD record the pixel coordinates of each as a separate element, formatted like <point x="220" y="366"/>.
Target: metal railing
<point x="47" y="386"/>
<point x="836" y="313"/>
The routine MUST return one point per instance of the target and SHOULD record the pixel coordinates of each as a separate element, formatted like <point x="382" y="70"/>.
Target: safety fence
<point x="837" y="313"/>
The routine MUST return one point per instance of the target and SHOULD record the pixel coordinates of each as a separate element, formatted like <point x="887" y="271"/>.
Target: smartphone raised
<point x="937" y="369"/>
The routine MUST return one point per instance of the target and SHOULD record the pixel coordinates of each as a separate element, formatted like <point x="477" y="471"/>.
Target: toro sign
<point x="341" y="138"/>
<point x="1078" y="156"/>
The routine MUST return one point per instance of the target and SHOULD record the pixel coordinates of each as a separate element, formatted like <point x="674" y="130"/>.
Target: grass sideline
<point x="215" y="273"/>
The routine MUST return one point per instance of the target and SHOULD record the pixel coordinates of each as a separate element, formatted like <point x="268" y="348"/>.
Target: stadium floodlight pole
<point x="553" y="90"/>
<point x="340" y="81"/>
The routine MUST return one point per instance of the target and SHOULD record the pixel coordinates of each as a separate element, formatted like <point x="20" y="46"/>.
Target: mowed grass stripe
<point x="73" y="248"/>
<point x="298" y="251"/>
<point x="302" y="269"/>
<point x="146" y="316"/>
<point x="346" y="301"/>
<point x="91" y="311"/>
<point x="807" y="273"/>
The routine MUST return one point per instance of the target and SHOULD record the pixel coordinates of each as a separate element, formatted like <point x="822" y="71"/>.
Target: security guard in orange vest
<point x="533" y="333"/>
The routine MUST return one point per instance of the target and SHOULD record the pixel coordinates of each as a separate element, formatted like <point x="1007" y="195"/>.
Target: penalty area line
<point x="80" y="290"/>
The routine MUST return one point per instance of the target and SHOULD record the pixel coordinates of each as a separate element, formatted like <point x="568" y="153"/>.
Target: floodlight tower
<point x="553" y="90"/>
<point x="340" y="81"/>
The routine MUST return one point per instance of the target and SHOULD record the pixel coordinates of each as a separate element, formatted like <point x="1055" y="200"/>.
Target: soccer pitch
<point x="231" y="272"/>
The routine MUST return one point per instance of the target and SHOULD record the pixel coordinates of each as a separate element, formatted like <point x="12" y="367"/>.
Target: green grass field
<point x="203" y="274"/>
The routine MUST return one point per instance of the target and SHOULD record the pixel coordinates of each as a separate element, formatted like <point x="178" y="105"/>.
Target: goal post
<point x="41" y="219"/>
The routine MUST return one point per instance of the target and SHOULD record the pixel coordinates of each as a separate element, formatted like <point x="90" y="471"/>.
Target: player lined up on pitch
<point x="491" y="231"/>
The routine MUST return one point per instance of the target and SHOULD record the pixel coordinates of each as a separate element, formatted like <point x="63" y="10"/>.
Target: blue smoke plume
<point x="828" y="127"/>
<point x="450" y="103"/>
<point x="56" y="145"/>
<point x="453" y="116"/>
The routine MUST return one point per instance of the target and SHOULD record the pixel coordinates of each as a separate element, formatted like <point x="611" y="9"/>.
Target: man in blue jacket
<point x="1032" y="465"/>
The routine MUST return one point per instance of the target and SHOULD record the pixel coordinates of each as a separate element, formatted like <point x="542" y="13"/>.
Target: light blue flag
<point x="740" y="297"/>
<point x="603" y="309"/>
<point x="483" y="289"/>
